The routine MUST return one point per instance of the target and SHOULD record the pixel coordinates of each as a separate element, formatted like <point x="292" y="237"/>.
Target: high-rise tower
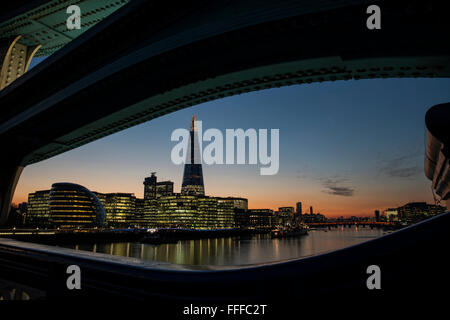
<point x="299" y="208"/>
<point x="150" y="187"/>
<point x="154" y="189"/>
<point x="193" y="173"/>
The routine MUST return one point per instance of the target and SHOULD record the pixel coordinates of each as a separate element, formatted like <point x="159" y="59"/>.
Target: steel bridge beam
<point x="15" y="59"/>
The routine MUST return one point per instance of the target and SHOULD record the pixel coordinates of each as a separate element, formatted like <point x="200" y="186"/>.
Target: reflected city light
<point x="234" y="251"/>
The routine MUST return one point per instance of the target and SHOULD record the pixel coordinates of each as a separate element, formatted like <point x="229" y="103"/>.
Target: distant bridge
<point x="350" y="223"/>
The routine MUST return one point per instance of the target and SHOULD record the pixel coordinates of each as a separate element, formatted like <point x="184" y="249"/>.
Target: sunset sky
<point x="346" y="148"/>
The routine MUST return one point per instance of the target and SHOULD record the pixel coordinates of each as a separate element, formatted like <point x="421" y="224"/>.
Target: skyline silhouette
<point x="356" y="149"/>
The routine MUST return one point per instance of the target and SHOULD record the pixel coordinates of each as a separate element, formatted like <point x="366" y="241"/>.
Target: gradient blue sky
<point x="346" y="148"/>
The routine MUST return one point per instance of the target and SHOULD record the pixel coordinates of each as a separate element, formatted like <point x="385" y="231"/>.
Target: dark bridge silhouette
<point x="146" y="60"/>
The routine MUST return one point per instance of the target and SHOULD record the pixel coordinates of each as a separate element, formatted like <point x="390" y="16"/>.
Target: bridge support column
<point x="9" y="176"/>
<point x="15" y="59"/>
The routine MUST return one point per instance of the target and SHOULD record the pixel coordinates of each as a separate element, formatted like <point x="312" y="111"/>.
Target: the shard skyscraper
<point x="193" y="173"/>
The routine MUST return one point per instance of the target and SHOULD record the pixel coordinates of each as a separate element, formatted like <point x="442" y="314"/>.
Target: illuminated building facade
<point x="390" y="214"/>
<point x="240" y="208"/>
<point x="208" y="213"/>
<point x="138" y="219"/>
<point x="417" y="211"/>
<point x="153" y="191"/>
<point x="119" y="208"/>
<point x="101" y="197"/>
<point x="177" y="211"/>
<point x="285" y="216"/>
<point x="38" y="211"/>
<point x="164" y="188"/>
<point x="226" y="210"/>
<point x="74" y="206"/>
<point x="239" y="203"/>
<point x="261" y="218"/>
<point x="194" y="212"/>
<point x="150" y="187"/>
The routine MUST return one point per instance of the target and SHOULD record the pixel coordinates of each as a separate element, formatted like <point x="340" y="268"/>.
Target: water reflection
<point x="237" y="250"/>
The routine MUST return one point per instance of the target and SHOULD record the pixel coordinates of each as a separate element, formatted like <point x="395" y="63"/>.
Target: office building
<point x="23" y="208"/>
<point x="417" y="211"/>
<point x="153" y="191"/>
<point x="285" y="216"/>
<point x="390" y="215"/>
<point x="119" y="208"/>
<point x="150" y="186"/>
<point x="239" y="203"/>
<point x="176" y="211"/>
<point x="194" y="212"/>
<point x="261" y="218"/>
<point x="38" y="211"/>
<point x="299" y="208"/>
<point x="138" y="218"/>
<point x="74" y="206"/>
<point x="207" y="216"/>
<point x="226" y="211"/>
<point x="240" y="208"/>
<point x="164" y="188"/>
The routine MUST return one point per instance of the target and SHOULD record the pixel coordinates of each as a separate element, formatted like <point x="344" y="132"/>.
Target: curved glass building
<point x="73" y="206"/>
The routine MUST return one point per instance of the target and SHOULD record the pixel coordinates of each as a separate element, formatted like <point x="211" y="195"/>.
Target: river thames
<point x="234" y="251"/>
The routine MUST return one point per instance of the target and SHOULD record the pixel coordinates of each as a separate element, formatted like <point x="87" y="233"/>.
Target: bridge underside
<point x="201" y="53"/>
<point x="15" y="59"/>
<point x="43" y="22"/>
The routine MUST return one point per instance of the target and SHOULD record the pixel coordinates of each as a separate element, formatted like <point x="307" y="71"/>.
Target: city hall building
<point x="73" y="206"/>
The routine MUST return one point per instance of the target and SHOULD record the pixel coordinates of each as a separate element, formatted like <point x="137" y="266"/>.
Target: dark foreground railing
<point x="413" y="263"/>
